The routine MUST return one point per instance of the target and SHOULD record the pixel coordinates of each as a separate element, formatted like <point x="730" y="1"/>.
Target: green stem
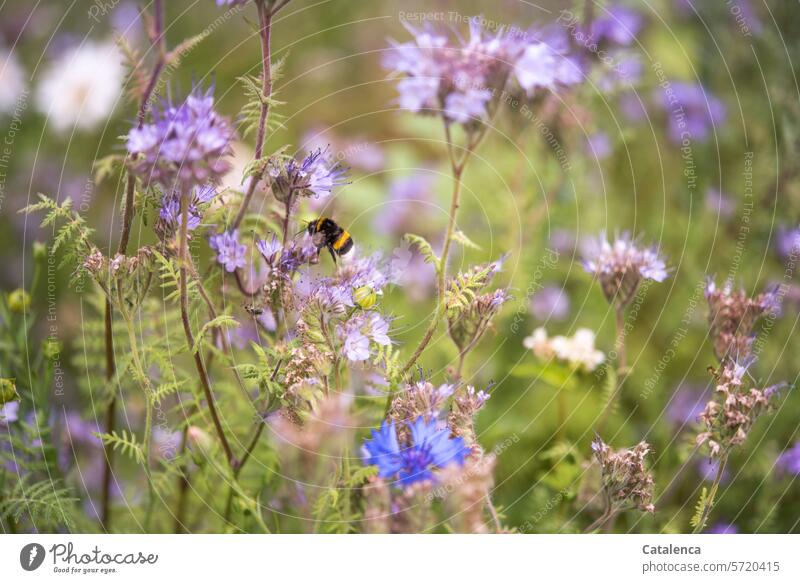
<point x="701" y="524"/>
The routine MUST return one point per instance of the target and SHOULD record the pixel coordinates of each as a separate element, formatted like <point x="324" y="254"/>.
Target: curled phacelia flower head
<point x="185" y="145"/>
<point x="626" y="482"/>
<point x="170" y="217"/>
<point x="737" y="403"/>
<point x="420" y="399"/>
<point x="621" y="266"/>
<point x="314" y="176"/>
<point x="455" y="77"/>
<point x="429" y="448"/>
<point x="732" y="316"/>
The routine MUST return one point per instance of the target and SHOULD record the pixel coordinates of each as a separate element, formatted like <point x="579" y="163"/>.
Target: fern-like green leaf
<point x="425" y="249"/>
<point x="126" y="443"/>
<point x="699" y="510"/>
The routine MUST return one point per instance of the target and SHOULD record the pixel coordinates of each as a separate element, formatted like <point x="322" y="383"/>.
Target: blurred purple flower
<point x="707" y="470"/>
<point x="617" y="24"/>
<point x="789" y="461"/>
<point x="550" y="303"/>
<point x="787" y="242"/>
<point x="230" y="252"/>
<point x="460" y="76"/>
<point x="719" y="202"/>
<point x="686" y="404"/>
<point x="598" y="145"/>
<point x="546" y="64"/>
<point x="692" y="111"/>
<point x="723" y="528"/>
<point x="9" y="413"/>
<point x="409" y="205"/>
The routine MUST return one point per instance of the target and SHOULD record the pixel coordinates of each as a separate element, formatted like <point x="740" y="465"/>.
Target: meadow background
<point x="541" y="184"/>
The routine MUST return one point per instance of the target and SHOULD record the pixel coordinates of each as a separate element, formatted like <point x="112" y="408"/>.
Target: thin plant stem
<point x="265" y="15"/>
<point x="159" y="43"/>
<point x="184" y="259"/>
<point x="622" y="368"/>
<point x="711" y="496"/>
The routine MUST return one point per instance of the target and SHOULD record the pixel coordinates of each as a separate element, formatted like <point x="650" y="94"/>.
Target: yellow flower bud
<point x="8" y="391"/>
<point x="365" y="297"/>
<point x="19" y="301"/>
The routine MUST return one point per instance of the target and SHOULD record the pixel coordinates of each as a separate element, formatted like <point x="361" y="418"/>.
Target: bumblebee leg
<point x="332" y="252"/>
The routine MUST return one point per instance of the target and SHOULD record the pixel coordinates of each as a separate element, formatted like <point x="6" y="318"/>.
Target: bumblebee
<point x="326" y="233"/>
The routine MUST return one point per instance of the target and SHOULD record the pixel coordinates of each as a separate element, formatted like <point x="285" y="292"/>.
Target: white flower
<point x="81" y="87"/>
<point x="12" y="81"/>
<point x="540" y="344"/>
<point x="579" y="350"/>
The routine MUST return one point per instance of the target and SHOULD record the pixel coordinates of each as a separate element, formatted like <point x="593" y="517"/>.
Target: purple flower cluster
<point x="356" y="333"/>
<point x="458" y="78"/>
<point x="170" y="213"/>
<point x="692" y="111"/>
<point x="230" y="252"/>
<point x="430" y="448"/>
<point x="789" y="461"/>
<point x="622" y="265"/>
<point x="315" y="176"/>
<point x="185" y="145"/>
<point x="618" y="25"/>
<point x="546" y="63"/>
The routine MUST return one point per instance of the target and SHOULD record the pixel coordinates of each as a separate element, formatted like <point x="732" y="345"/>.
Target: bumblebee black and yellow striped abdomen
<point x="326" y="233"/>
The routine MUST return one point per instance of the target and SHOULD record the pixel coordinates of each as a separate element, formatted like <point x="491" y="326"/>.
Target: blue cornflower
<point x="230" y="252"/>
<point x="431" y="448"/>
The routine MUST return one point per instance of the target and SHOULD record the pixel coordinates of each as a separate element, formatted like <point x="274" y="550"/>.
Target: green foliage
<point x="47" y="504"/>
<point x="699" y="516"/>
<point x="425" y="249"/>
<point x="72" y="237"/>
<point x="124" y="442"/>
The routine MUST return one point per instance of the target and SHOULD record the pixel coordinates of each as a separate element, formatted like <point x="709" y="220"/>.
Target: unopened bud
<point x="8" y="391"/>
<point x="19" y="301"/>
<point x="365" y="297"/>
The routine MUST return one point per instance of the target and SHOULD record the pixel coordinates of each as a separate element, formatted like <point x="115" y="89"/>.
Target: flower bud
<point x="8" y="391"/>
<point x="39" y="251"/>
<point x="365" y="297"/>
<point x="19" y="301"/>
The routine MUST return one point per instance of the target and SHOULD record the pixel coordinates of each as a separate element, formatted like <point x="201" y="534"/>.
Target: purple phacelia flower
<point x="357" y="332"/>
<point x="170" y="213"/>
<point x="787" y="242"/>
<point x="457" y="77"/>
<point x="692" y="111"/>
<point x="230" y="252"/>
<point x="9" y="413"/>
<point x="185" y="145"/>
<point x="544" y="66"/>
<point x="622" y="265"/>
<point x="789" y="461"/>
<point x="723" y="528"/>
<point x="430" y="448"/>
<point x="315" y="176"/>
<point x="551" y="302"/>
<point x="617" y="25"/>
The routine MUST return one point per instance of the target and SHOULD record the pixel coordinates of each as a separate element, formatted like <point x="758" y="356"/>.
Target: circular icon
<point x="31" y="556"/>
